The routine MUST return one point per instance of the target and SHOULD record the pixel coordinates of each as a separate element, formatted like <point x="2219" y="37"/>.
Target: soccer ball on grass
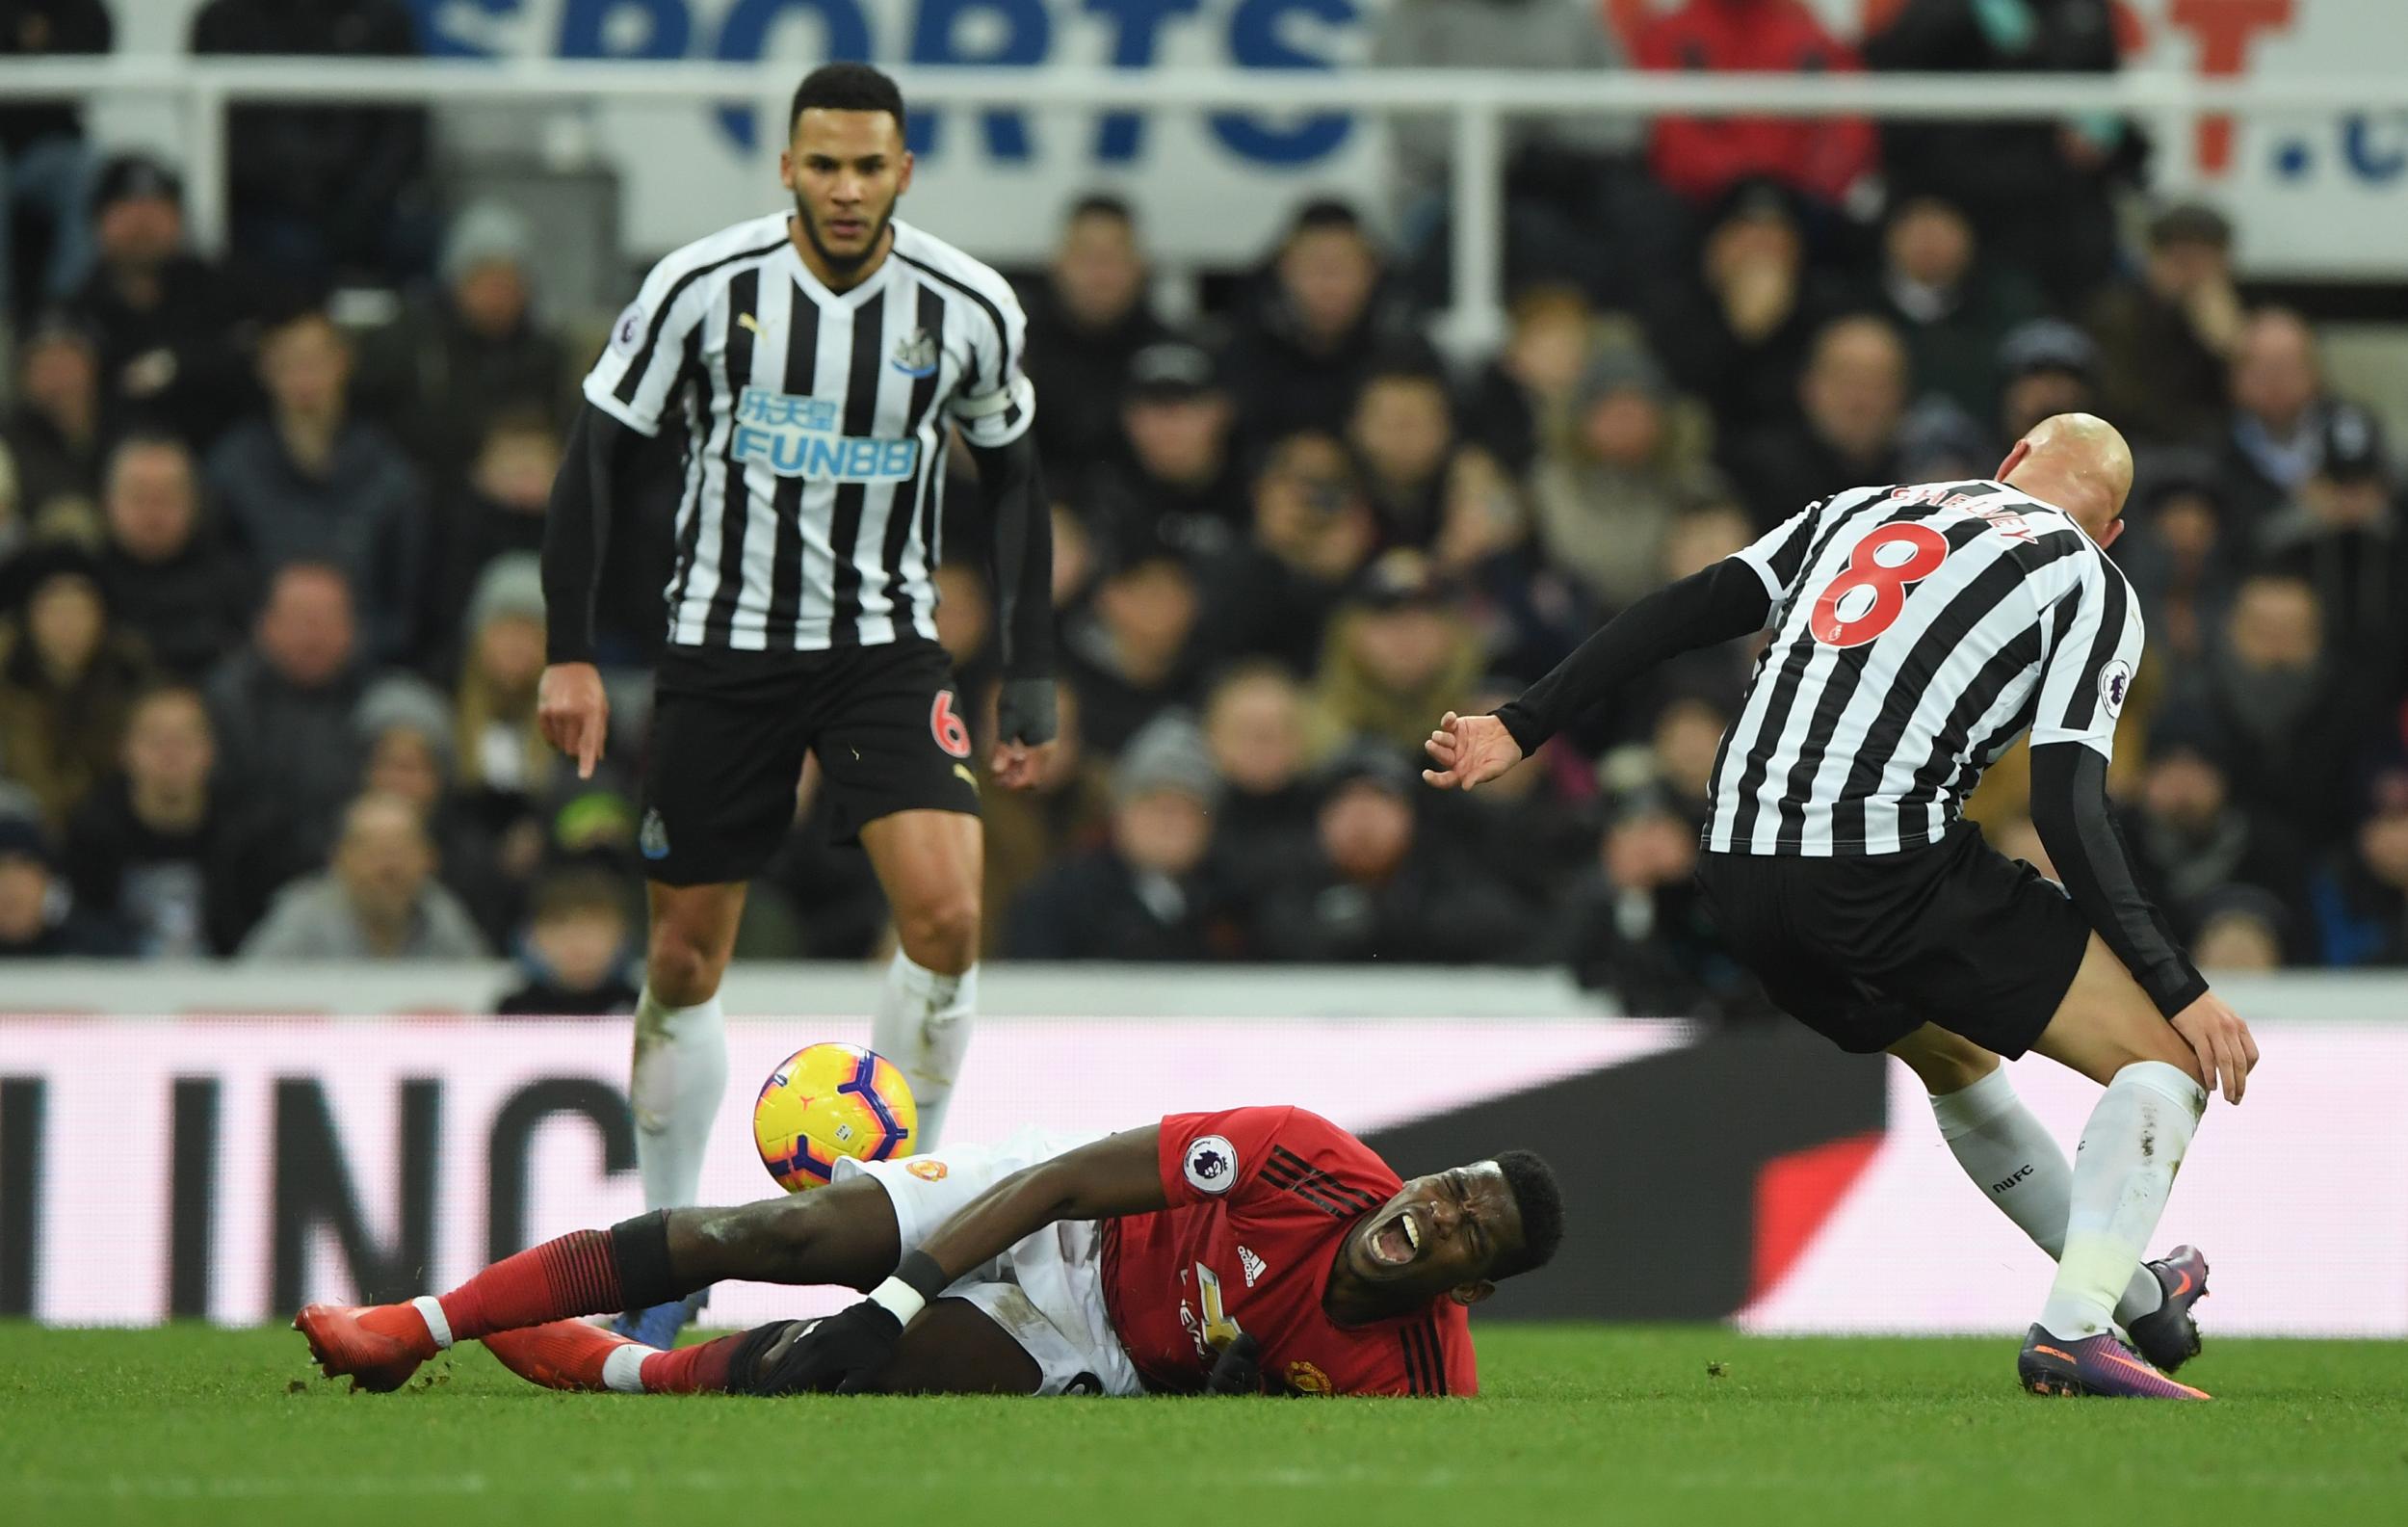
<point x="828" y="1101"/>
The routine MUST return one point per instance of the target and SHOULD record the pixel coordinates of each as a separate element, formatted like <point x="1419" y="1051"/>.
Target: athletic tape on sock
<point x="622" y="1369"/>
<point x="438" y="1325"/>
<point x="918" y="1278"/>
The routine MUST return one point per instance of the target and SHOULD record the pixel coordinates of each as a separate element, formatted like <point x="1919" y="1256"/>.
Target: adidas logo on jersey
<point x="1253" y="1264"/>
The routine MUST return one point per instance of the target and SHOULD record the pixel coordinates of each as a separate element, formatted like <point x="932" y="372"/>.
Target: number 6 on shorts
<point x="947" y="727"/>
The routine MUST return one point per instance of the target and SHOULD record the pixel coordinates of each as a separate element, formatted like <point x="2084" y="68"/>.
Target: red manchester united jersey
<point x="1261" y="1200"/>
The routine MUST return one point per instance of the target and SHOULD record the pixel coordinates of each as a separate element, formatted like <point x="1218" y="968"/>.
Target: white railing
<point x="1477" y="101"/>
<point x="1012" y="987"/>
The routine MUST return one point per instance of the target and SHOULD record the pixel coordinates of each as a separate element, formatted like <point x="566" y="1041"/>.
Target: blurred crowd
<point x="272" y="618"/>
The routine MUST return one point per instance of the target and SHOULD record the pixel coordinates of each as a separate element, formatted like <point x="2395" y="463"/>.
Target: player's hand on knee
<point x="839" y="1354"/>
<point x="574" y="711"/>
<point x="2222" y="1044"/>
<point x="1468" y="750"/>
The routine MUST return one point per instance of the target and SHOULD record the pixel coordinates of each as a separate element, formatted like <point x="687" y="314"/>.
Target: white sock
<point x="2017" y="1164"/>
<point x="680" y="1075"/>
<point x="2131" y="1149"/>
<point x="622" y="1368"/>
<point x="923" y="1025"/>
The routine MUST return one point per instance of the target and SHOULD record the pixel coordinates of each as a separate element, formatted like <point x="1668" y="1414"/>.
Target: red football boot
<point x="563" y="1354"/>
<point x="379" y="1346"/>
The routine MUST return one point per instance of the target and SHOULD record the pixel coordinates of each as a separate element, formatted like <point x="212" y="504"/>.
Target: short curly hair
<point x="846" y="88"/>
<point x="1540" y="1199"/>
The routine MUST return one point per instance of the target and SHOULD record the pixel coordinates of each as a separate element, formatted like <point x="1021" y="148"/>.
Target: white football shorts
<point x="1047" y="1290"/>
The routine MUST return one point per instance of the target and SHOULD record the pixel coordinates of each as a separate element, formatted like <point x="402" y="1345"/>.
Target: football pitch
<point x="1578" y="1424"/>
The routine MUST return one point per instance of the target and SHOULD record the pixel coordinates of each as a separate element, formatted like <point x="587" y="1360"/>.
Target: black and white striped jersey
<point x="817" y="426"/>
<point x="1917" y="631"/>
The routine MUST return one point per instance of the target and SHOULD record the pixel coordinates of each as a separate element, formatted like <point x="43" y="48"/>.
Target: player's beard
<point x="841" y="264"/>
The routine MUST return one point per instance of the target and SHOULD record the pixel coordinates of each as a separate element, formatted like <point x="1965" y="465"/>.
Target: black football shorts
<point x="1866" y="950"/>
<point x="730" y="728"/>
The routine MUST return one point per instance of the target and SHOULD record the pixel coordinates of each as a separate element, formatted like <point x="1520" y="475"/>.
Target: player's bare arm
<point x="1724" y="602"/>
<point x="1116" y="1175"/>
<point x="1022" y="572"/>
<point x="570" y="704"/>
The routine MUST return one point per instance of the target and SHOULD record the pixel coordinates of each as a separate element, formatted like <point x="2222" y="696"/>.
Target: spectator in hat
<point x="1169" y="475"/>
<point x="179" y="858"/>
<point x="1628" y="454"/>
<point x="39" y="917"/>
<point x="2190" y="838"/>
<point x="471" y="351"/>
<point x="1377" y="888"/>
<point x="53" y="435"/>
<point x="311" y="481"/>
<point x="1134" y="649"/>
<point x="1950" y="301"/>
<point x="502" y="749"/>
<point x="1702" y="157"/>
<point x="1302" y="341"/>
<point x="378" y="898"/>
<point x="2276" y="427"/>
<point x="168" y="323"/>
<point x="168" y="572"/>
<point x="44" y="161"/>
<point x="1312" y="533"/>
<point x="282" y="705"/>
<point x="1146" y="894"/>
<point x="1088" y="322"/>
<point x="2042" y="193"/>
<point x="1399" y="652"/>
<point x="574" y="955"/>
<point x="2045" y="367"/>
<point x="2164" y="336"/>
<point x="67" y="680"/>
<point x="2341" y="533"/>
<point x="319" y="191"/>
<point x="1852" y="399"/>
<point x="505" y="774"/>
<point x="410" y="750"/>
<point x="1737" y="333"/>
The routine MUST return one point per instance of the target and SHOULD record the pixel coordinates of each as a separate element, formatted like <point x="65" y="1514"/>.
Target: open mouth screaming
<point x="1396" y="1241"/>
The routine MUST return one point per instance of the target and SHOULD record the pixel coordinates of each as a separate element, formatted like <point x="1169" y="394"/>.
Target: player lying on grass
<point x="1254" y="1250"/>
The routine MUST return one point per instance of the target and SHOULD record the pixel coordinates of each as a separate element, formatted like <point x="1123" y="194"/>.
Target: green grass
<point x="1578" y="1424"/>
